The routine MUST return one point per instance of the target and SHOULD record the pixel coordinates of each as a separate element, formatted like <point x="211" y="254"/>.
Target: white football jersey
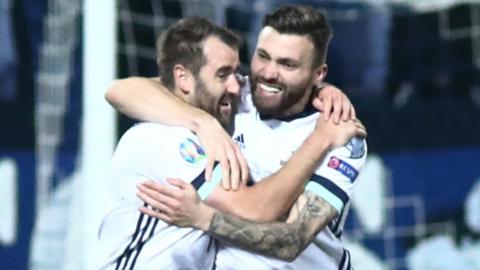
<point x="132" y="240"/>
<point x="267" y="144"/>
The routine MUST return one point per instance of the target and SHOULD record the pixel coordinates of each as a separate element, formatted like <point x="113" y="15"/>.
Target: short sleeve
<point x="334" y="179"/>
<point x="150" y="151"/>
<point x="207" y="187"/>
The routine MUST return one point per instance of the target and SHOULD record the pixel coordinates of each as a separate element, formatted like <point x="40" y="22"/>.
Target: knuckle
<point x="175" y="206"/>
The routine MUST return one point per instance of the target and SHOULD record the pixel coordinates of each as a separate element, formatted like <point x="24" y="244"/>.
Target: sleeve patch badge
<point x="356" y="146"/>
<point x="343" y="167"/>
<point x="191" y="152"/>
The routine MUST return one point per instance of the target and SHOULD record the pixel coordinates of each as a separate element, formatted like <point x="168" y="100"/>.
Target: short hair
<point x="182" y="43"/>
<point x="303" y="20"/>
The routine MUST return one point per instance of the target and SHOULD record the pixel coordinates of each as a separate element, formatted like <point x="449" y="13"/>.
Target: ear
<point x="183" y="79"/>
<point x="321" y="73"/>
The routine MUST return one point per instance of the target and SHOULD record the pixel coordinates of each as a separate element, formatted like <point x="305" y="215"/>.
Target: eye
<point x="223" y="75"/>
<point x="262" y="55"/>
<point x="289" y="65"/>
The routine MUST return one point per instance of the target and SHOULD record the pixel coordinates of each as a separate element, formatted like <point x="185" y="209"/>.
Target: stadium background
<point x="410" y="67"/>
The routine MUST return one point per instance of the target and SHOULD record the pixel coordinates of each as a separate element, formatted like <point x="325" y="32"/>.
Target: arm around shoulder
<point x="147" y="99"/>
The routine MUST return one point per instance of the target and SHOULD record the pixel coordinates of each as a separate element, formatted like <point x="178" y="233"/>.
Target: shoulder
<point x="155" y="149"/>
<point x="346" y="161"/>
<point x="354" y="152"/>
<point x="335" y="177"/>
<point x="149" y="129"/>
<point x="153" y="134"/>
<point x="152" y="139"/>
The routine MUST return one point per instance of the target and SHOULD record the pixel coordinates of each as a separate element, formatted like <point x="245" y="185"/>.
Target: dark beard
<point x="209" y="103"/>
<point x="292" y="94"/>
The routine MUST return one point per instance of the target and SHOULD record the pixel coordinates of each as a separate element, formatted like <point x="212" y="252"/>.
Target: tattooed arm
<point x="283" y="240"/>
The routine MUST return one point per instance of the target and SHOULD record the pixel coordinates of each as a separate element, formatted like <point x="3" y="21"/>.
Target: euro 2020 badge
<point x="191" y="152"/>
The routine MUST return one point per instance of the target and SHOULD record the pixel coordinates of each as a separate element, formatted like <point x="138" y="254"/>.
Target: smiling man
<point x="275" y="119"/>
<point x="198" y="61"/>
<point x="289" y="58"/>
<point x="282" y="73"/>
<point x="201" y="59"/>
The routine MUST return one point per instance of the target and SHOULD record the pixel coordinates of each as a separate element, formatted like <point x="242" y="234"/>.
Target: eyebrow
<point x="288" y="61"/>
<point x="281" y="60"/>
<point x="224" y="69"/>
<point x="260" y="50"/>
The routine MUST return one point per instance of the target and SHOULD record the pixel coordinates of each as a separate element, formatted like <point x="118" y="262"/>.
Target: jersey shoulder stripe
<point x="205" y="188"/>
<point x="345" y="263"/>
<point x="139" y="238"/>
<point x="145" y="230"/>
<point x="327" y="190"/>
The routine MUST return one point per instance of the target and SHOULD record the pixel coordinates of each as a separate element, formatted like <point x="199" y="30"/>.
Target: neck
<point x="181" y="95"/>
<point x="299" y="106"/>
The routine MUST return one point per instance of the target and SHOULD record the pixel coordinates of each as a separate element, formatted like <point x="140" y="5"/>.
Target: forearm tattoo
<point x="281" y="240"/>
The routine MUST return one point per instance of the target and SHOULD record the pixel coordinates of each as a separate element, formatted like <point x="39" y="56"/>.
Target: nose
<point x="233" y="85"/>
<point x="270" y="71"/>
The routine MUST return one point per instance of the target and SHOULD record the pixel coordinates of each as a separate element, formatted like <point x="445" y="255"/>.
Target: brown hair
<point x="303" y="20"/>
<point x="182" y="43"/>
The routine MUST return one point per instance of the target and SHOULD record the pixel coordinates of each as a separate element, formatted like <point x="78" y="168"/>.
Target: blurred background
<point x="411" y="68"/>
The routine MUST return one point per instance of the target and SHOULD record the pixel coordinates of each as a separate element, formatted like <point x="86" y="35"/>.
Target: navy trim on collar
<point x="309" y="110"/>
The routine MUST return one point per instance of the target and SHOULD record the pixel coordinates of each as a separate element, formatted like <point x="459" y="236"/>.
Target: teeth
<point x="226" y="103"/>
<point x="269" y="88"/>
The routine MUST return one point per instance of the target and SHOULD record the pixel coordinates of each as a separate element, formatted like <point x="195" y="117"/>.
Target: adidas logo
<point x="239" y="140"/>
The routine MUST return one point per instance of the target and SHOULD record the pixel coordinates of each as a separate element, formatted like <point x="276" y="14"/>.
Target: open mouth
<point x="225" y="104"/>
<point x="270" y="88"/>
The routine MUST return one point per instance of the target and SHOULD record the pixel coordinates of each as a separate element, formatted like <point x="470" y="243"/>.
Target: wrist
<point x="205" y="213"/>
<point x="201" y="120"/>
<point x="319" y="142"/>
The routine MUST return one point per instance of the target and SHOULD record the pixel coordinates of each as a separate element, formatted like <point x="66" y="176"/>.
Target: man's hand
<point x="220" y="147"/>
<point x="148" y="100"/>
<point x="178" y="204"/>
<point x="333" y="103"/>
<point x="339" y="134"/>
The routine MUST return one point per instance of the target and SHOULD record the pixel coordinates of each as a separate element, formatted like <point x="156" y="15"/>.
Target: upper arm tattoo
<point x="283" y="240"/>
